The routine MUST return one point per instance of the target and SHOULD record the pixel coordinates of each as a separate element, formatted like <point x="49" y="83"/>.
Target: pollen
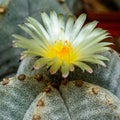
<point x="62" y="50"/>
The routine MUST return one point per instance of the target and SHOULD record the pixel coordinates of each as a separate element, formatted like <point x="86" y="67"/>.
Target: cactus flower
<point x="60" y="45"/>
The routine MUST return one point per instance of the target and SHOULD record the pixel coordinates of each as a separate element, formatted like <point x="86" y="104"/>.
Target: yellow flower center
<point x="62" y="50"/>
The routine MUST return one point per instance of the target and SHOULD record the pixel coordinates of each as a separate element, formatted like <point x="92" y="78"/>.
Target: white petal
<point x="40" y="28"/>
<point x="32" y="34"/>
<point x="69" y="27"/>
<point x="41" y="62"/>
<point x="92" y="39"/>
<point x="62" y="27"/>
<point x="86" y="31"/>
<point x="97" y="49"/>
<point x="84" y="66"/>
<point x="94" y="44"/>
<point x="93" y="60"/>
<point x="72" y="68"/>
<point x="100" y="57"/>
<point x="65" y="70"/>
<point x="55" y="67"/>
<point x="27" y="43"/>
<point x="77" y="26"/>
<point x="39" y="37"/>
<point x="54" y="25"/>
<point x="33" y="52"/>
<point x="47" y="23"/>
<point x="22" y="41"/>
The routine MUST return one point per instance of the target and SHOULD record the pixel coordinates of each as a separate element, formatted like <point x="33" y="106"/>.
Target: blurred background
<point x="14" y="12"/>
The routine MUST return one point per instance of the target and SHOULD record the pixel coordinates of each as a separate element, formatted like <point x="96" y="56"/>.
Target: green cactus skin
<point x="90" y="102"/>
<point x="51" y="108"/>
<point x="76" y="100"/>
<point x="107" y="77"/>
<point x="17" y="95"/>
<point x="8" y="25"/>
<point x="72" y="100"/>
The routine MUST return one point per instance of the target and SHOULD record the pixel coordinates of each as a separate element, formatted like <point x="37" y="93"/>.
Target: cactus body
<point x="73" y="100"/>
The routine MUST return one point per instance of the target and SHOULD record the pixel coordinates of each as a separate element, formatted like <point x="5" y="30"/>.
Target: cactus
<point x="33" y="95"/>
<point x="76" y="100"/>
<point x="30" y="96"/>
